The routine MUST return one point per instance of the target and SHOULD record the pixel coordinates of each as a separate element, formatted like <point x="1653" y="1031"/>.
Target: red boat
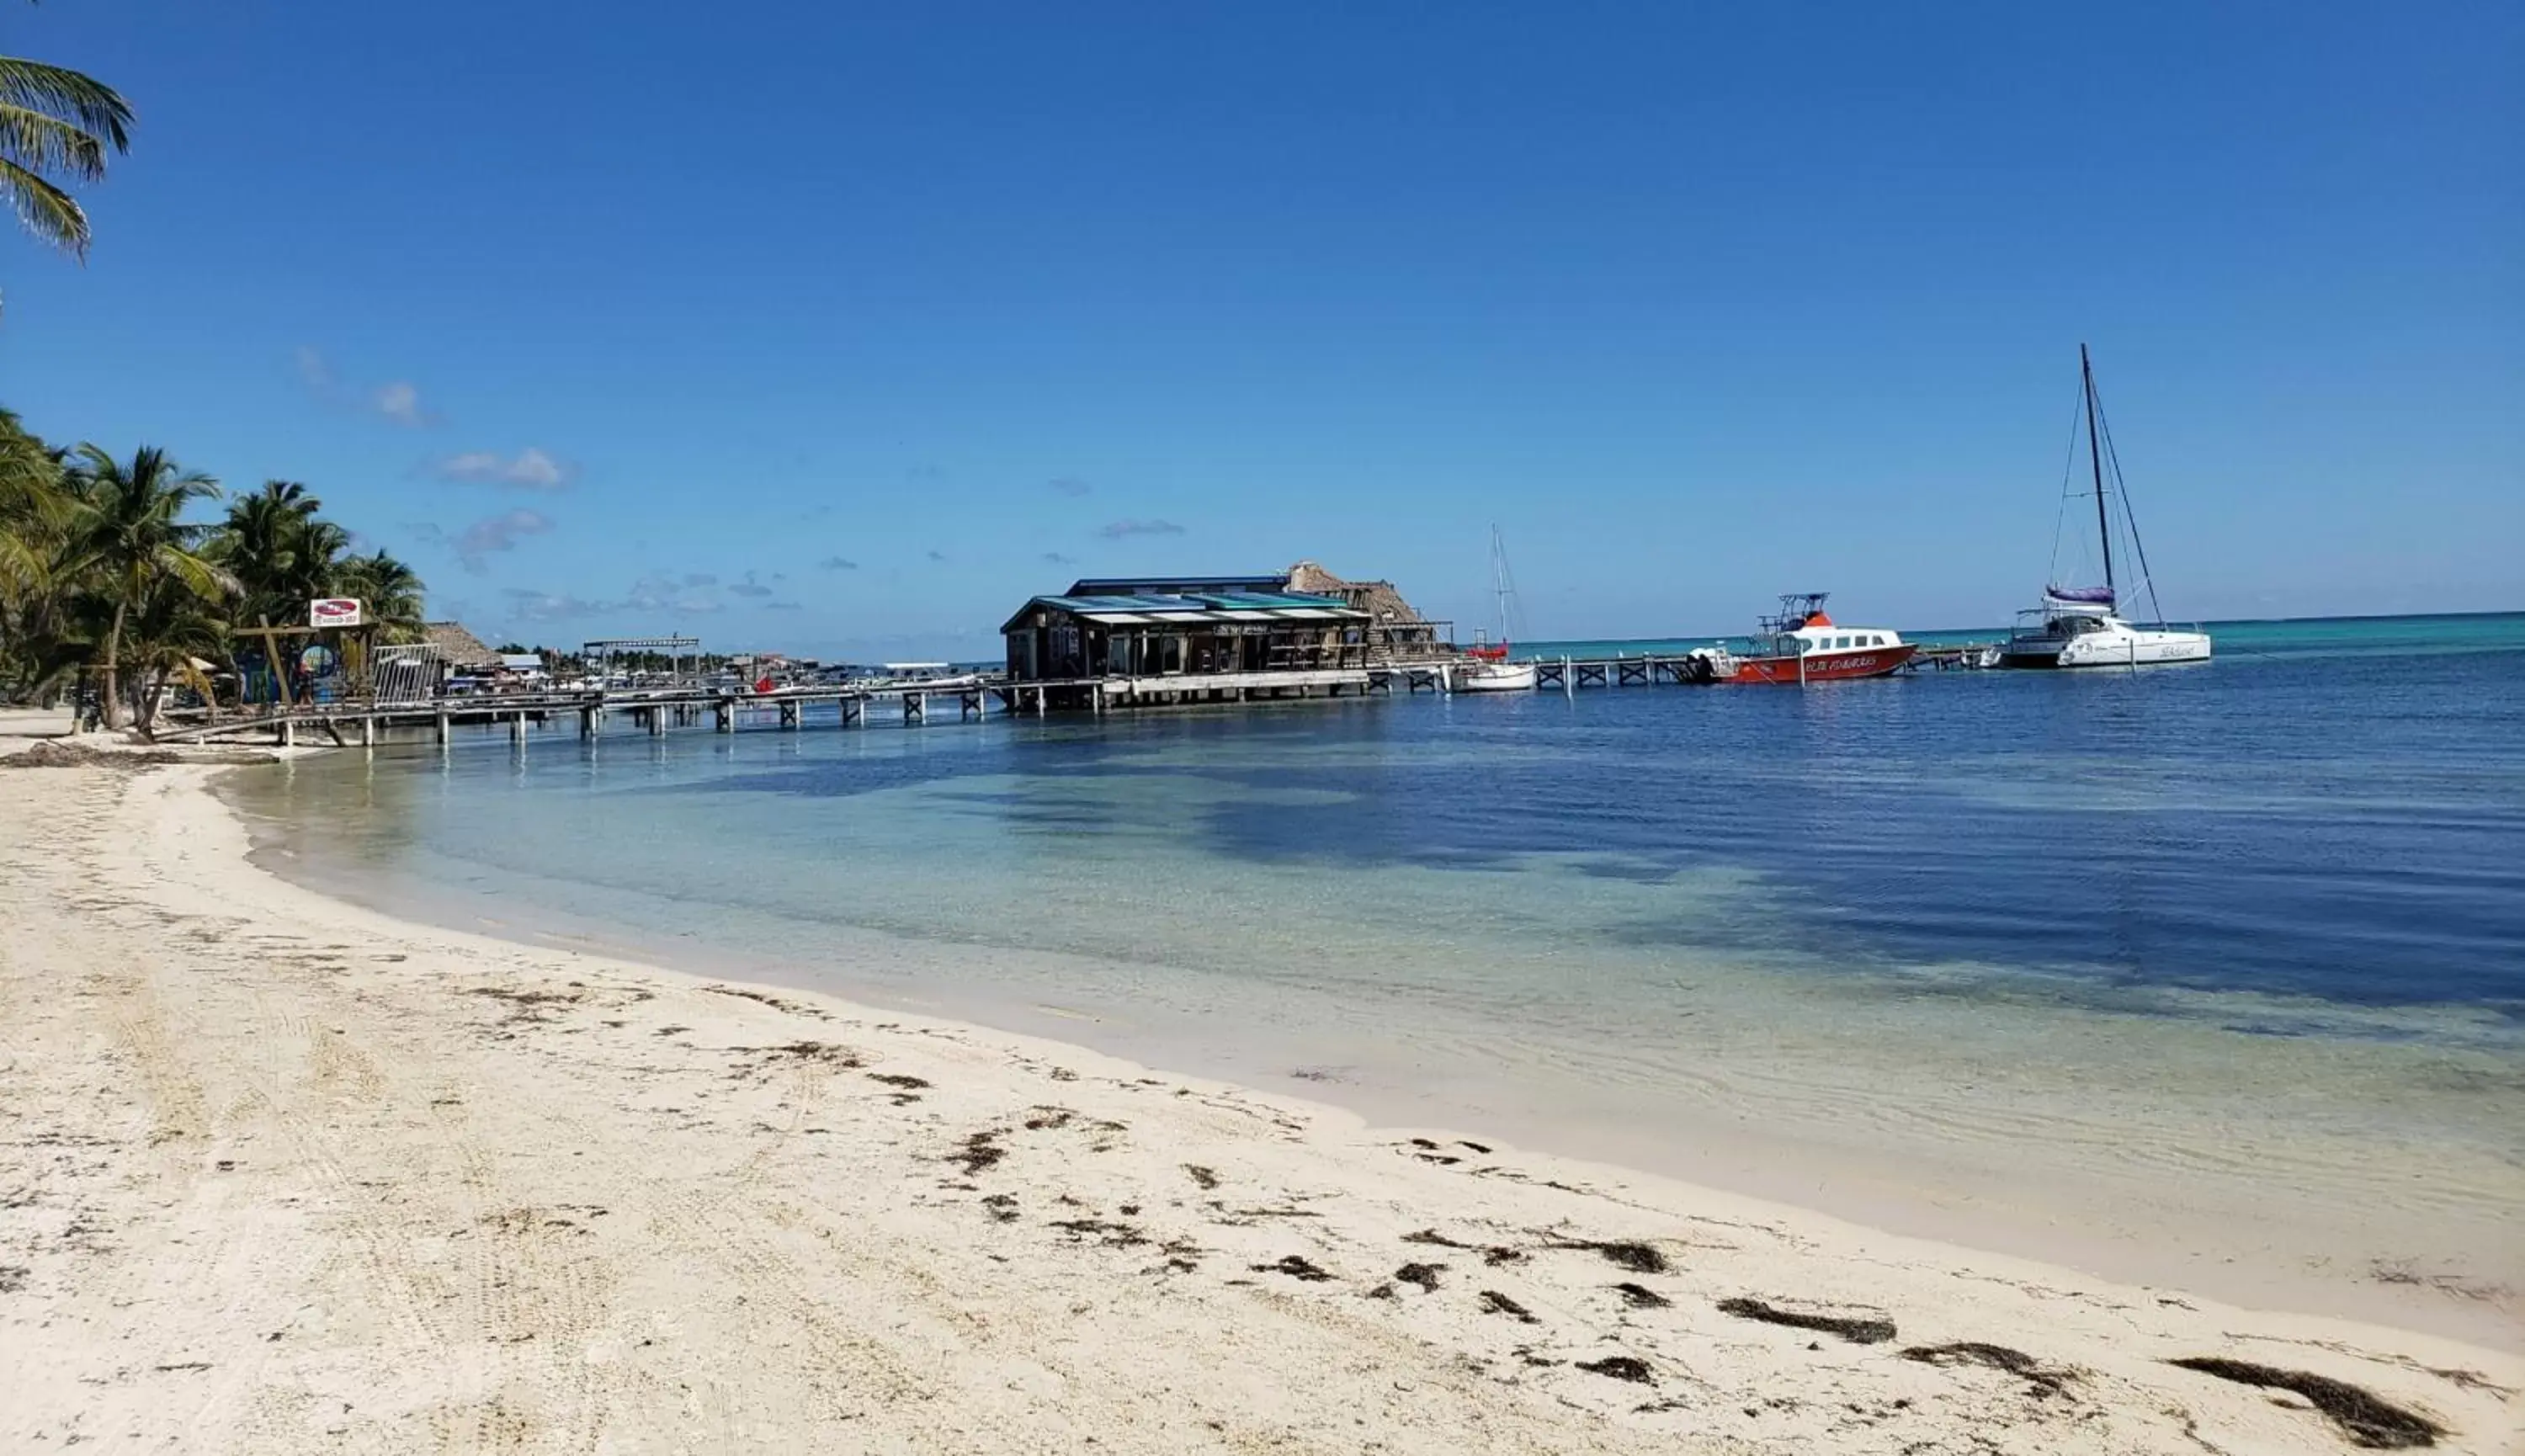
<point x="1803" y="645"/>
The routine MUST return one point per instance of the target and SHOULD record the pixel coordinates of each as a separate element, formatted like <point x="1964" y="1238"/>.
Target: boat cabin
<point x="1822" y="633"/>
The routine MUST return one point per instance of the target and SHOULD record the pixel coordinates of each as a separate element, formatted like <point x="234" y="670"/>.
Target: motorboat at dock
<point x="1802" y="644"/>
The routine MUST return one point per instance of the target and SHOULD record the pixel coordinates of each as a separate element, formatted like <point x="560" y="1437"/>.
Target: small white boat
<point x="1486" y="668"/>
<point x="1496" y="676"/>
<point x="2081" y="627"/>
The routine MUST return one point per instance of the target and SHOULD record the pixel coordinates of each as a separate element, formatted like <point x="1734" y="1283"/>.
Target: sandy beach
<point x="283" y="1174"/>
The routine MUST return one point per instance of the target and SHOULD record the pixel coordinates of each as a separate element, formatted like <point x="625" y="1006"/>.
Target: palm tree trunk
<point x="109" y="702"/>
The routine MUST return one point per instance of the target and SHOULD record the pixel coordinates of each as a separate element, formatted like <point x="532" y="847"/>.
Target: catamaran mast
<point x="2096" y="459"/>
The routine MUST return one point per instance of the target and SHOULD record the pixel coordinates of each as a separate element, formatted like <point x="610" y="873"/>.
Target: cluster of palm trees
<point x="105" y="568"/>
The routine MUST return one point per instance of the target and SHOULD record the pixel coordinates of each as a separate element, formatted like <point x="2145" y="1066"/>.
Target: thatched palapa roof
<point x="457" y="647"/>
<point x="1383" y="604"/>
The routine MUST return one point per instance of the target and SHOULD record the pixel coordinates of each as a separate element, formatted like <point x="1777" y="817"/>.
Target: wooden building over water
<point x="1197" y="639"/>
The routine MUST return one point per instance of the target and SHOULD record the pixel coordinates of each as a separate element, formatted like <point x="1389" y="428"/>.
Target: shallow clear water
<point x="2259" y="919"/>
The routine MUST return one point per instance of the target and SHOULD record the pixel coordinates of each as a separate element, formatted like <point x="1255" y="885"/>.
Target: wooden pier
<point x="654" y="711"/>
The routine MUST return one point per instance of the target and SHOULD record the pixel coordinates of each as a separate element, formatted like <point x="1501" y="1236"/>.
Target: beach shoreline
<point x="2358" y="1169"/>
<point x="304" y="1176"/>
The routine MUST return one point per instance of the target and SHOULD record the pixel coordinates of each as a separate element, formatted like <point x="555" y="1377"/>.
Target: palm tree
<point x="390" y="587"/>
<point x="35" y="516"/>
<point x="263" y="543"/>
<point x="129" y="532"/>
<point x="31" y="504"/>
<point x="171" y="633"/>
<point x="56" y="127"/>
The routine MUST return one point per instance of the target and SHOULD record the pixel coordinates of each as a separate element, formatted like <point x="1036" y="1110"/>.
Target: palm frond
<point x="82" y="100"/>
<point x="49" y="144"/>
<point x="48" y="212"/>
<point x="204" y="577"/>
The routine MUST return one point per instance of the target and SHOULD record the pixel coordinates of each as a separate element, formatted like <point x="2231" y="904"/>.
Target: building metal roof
<point x="1190" y="607"/>
<point x="1170" y="585"/>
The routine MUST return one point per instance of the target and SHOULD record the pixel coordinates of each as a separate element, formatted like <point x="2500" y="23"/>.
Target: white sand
<point x="282" y="1175"/>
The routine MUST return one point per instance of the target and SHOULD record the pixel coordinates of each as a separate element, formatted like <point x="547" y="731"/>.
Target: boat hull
<point x="2120" y="647"/>
<point x="1497" y="677"/>
<point x="1822" y="667"/>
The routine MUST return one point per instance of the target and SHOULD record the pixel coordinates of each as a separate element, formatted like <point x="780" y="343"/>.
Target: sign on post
<point x="335" y="610"/>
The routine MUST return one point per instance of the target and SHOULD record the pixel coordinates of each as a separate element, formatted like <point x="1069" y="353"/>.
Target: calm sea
<point x="2252" y="926"/>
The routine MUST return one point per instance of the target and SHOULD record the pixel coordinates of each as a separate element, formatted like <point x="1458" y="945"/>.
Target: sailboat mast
<point x="1499" y="583"/>
<point x="2095" y="460"/>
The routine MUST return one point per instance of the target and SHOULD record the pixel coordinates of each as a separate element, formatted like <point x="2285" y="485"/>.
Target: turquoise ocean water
<point x="2042" y="945"/>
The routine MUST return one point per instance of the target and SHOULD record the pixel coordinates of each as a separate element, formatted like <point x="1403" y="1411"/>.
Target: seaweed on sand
<point x="1630" y="1254"/>
<point x="1867" y="1331"/>
<point x="2042" y="1378"/>
<point x="980" y="1151"/>
<point x="1495" y="1303"/>
<point x="2369" y="1421"/>
<point x="1620" y="1367"/>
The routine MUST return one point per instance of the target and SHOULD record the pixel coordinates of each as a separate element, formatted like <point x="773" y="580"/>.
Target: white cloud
<point x="527" y="605"/>
<point x="530" y="468"/>
<point x="313" y="368"/>
<point x="397" y="400"/>
<point x="400" y="401"/>
<point x="499" y="532"/>
<point x="1117" y="529"/>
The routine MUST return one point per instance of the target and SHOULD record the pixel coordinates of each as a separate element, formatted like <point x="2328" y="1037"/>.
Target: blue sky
<point x="844" y="327"/>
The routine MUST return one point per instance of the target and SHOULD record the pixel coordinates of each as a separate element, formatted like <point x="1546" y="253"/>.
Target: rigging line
<point x="2060" y="514"/>
<point x="1517" y="622"/>
<point x="2130" y="519"/>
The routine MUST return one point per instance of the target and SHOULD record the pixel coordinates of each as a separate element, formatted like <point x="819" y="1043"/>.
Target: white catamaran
<point x="1488" y="669"/>
<point x="2080" y="626"/>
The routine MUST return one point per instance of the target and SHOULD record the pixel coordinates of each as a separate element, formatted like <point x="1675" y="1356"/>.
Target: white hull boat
<point x="1486" y="668"/>
<point x="2105" y="642"/>
<point x="1496" y="676"/>
<point x="2080" y="626"/>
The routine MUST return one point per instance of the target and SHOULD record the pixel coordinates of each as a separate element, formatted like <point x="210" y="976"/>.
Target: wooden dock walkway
<point x="726" y="710"/>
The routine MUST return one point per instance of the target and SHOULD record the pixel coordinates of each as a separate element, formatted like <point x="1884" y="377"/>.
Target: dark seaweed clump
<point x="2369" y="1421"/>
<point x="1495" y="1303"/>
<point x="980" y="1151"/>
<point x="1424" y="1275"/>
<point x="1637" y="1258"/>
<point x="2045" y="1380"/>
<point x="1619" y="1367"/>
<point x="1856" y="1332"/>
